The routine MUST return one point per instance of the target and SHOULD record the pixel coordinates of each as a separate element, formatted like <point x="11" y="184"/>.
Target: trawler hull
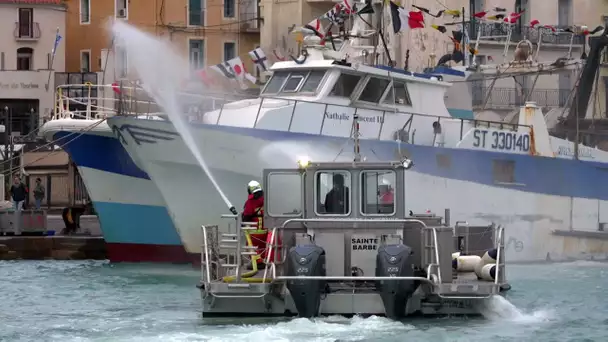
<point x="134" y="221"/>
<point x="538" y="198"/>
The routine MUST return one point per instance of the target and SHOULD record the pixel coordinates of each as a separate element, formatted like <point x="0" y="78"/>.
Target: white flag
<point x="259" y="59"/>
<point x="240" y="73"/>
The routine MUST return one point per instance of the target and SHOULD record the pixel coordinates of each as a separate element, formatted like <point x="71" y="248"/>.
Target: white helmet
<point x="253" y="187"/>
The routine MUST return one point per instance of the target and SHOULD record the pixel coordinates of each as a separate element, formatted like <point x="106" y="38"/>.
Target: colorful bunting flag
<point x="316" y="27"/>
<point x="258" y="57"/>
<point x="239" y="71"/>
<point x="403" y="19"/>
<point x="224" y="69"/>
<point x="440" y="28"/>
<point x="366" y="9"/>
<point x="427" y="11"/>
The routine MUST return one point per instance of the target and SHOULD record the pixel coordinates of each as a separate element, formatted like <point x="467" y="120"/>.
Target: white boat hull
<point x="238" y="155"/>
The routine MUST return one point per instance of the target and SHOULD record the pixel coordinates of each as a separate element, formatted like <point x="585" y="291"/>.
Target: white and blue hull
<point x="544" y="195"/>
<point x="134" y="220"/>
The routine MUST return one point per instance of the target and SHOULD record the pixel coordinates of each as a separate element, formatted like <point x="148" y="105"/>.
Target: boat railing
<point x="96" y="101"/>
<point x="499" y="277"/>
<point x="433" y="276"/>
<point x="296" y="107"/>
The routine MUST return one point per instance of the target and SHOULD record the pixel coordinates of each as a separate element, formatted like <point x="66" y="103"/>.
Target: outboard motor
<point x="306" y="260"/>
<point x="392" y="261"/>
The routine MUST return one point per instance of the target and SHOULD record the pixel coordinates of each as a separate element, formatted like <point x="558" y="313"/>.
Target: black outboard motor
<point x="392" y="261"/>
<point x="306" y="260"/>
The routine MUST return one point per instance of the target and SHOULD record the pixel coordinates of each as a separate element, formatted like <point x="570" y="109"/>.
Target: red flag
<point x="204" y="77"/>
<point x="513" y="17"/>
<point x="116" y="87"/>
<point x="534" y="23"/>
<point x="415" y="20"/>
<point x="480" y="14"/>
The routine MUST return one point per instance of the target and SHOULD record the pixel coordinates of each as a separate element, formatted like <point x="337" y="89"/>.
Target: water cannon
<point x="233" y="210"/>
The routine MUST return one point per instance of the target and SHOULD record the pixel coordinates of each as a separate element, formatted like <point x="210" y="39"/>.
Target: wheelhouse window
<point x="276" y="82"/>
<point x="401" y="95"/>
<point x="280" y="183"/>
<point x="374" y="89"/>
<point x="345" y="85"/>
<point x="294" y="81"/>
<point x="378" y="193"/>
<point x="332" y="193"/>
<point x="313" y="81"/>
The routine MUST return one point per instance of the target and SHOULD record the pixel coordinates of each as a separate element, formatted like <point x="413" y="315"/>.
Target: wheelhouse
<point x="341" y="85"/>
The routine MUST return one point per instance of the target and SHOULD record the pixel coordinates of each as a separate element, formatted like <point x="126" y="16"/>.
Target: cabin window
<point x="276" y="82"/>
<point x="378" y="193"/>
<point x="332" y="193"/>
<point x="312" y="82"/>
<point x="401" y="95"/>
<point x="294" y="81"/>
<point x="374" y="89"/>
<point x="345" y="85"/>
<point x="279" y="184"/>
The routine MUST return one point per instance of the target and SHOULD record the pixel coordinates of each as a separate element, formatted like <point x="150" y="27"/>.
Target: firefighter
<point x="253" y="211"/>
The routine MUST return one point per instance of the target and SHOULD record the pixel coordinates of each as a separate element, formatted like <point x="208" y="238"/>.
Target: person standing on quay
<point x="18" y="193"/>
<point x="38" y="193"/>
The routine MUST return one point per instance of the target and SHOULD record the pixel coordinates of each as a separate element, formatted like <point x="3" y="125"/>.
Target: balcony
<point x="250" y="22"/>
<point x="510" y="98"/>
<point x="27" y="31"/>
<point x="498" y="33"/>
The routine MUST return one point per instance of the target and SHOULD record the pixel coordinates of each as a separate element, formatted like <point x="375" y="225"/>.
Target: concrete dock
<point x="87" y="243"/>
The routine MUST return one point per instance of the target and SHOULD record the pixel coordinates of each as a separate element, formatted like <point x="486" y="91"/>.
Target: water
<point x="96" y="301"/>
<point x="162" y="73"/>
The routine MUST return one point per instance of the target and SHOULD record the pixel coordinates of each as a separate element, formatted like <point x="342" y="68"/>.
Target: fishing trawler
<point x="513" y="173"/>
<point x="135" y="223"/>
<point x="364" y="257"/>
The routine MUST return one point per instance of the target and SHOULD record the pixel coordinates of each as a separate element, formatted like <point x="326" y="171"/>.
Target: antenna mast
<point x="356" y="137"/>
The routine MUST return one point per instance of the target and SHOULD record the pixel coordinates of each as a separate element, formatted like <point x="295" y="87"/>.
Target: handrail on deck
<point x="266" y="102"/>
<point x="337" y="220"/>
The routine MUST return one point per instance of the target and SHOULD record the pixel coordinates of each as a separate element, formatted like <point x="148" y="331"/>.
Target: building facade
<point x="28" y="31"/>
<point x="206" y="32"/>
<point x="426" y="46"/>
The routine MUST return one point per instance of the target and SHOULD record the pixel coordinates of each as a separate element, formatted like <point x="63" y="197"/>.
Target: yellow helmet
<point x="253" y="187"/>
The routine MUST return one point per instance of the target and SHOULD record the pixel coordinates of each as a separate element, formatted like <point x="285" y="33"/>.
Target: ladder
<point x="238" y="245"/>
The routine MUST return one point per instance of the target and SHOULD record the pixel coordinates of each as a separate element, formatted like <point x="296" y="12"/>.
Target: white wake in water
<point x="498" y="308"/>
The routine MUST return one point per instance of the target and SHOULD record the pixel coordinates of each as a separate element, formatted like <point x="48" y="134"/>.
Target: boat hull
<point x="132" y="214"/>
<point x="544" y="196"/>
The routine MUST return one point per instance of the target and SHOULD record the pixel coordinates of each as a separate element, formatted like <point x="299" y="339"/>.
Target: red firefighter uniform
<point x="253" y="211"/>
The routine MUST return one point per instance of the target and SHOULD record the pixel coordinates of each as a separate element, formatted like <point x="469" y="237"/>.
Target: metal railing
<point x="432" y="278"/>
<point x="93" y="101"/>
<point x="304" y="107"/>
<point x="509" y="98"/>
<point x="498" y="32"/>
<point x="27" y="31"/>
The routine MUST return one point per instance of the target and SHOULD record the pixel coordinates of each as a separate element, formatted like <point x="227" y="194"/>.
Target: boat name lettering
<point x="501" y="140"/>
<point x="364" y="244"/>
<point x="569" y="151"/>
<point x="347" y="117"/>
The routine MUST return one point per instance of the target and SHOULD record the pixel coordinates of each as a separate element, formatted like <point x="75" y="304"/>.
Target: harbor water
<point x="97" y="301"/>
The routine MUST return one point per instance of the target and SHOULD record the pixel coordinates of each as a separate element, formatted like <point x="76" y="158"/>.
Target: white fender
<point x="488" y="272"/>
<point x="467" y="263"/>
